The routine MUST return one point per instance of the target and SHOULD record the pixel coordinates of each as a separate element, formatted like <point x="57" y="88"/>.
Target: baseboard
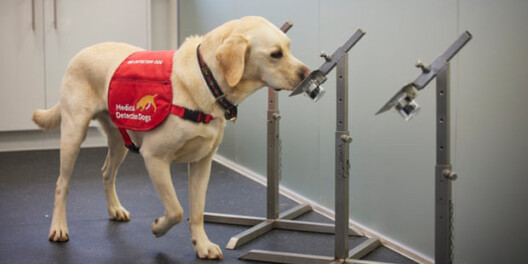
<point x="38" y="140"/>
<point x="363" y="230"/>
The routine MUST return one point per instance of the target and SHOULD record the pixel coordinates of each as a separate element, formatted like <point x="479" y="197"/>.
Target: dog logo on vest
<point x="146" y="102"/>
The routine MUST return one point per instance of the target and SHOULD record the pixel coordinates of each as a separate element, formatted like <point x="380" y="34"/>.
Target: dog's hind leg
<point x="73" y="132"/>
<point x="199" y="173"/>
<point x="159" y="171"/>
<point x="116" y="154"/>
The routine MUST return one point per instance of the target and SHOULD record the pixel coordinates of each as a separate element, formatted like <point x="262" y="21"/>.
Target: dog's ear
<point x="231" y="57"/>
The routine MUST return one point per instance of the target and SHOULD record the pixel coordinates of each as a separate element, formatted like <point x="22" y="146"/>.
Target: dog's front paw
<point x="58" y="233"/>
<point x="161" y="225"/>
<point x="119" y="214"/>
<point x="208" y="250"/>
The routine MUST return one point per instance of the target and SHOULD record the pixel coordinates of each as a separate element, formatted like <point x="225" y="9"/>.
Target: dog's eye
<point x="276" y="54"/>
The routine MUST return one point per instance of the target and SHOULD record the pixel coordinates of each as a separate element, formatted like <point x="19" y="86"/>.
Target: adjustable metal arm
<point x="332" y="61"/>
<point x="406" y="94"/>
<point x="440" y="62"/>
<point x="318" y="77"/>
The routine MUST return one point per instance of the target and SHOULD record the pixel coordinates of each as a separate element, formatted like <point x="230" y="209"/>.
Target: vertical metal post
<point x="274" y="146"/>
<point x="443" y="202"/>
<point x="273" y="155"/>
<point x="342" y="140"/>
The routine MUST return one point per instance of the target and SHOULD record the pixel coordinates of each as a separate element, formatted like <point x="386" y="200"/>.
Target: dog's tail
<point x="49" y="118"/>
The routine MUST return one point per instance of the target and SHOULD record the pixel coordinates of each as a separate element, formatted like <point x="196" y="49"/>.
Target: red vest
<point x="140" y="94"/>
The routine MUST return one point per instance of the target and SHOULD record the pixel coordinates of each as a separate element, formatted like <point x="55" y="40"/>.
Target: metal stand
<point x="273" y="219"/>
<point x="404" y="101"/>
<point x="341" y="232"/>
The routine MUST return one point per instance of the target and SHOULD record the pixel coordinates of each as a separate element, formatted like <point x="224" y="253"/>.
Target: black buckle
<point x="132" y="148"/>
<point x="193" y="115"/>
<point x="231" y="114"/>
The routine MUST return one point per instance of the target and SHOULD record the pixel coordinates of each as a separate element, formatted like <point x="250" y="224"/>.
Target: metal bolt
<point x="276" y="116"/>
<point x="425" y="68"/>
<point x="450" y="175"/>
<point x="346" y="138"/>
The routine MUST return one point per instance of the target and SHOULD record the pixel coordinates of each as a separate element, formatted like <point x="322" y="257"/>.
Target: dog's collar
<point x="230" y="109"/>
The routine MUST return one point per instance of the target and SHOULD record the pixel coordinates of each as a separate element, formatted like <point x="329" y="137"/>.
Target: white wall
<point x="163" y="34"/>
<point x="392" y="188"/>
<point x="492" y="133"/>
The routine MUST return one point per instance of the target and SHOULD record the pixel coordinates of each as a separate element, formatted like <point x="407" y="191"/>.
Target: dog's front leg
<point x="159" y="171"/>
<point x="199" y="173"/>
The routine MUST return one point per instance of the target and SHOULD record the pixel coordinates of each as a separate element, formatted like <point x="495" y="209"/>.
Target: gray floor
<point x="27" y="182"/>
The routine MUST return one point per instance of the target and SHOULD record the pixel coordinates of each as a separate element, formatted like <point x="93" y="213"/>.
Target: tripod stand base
<point x="293" y="258"/>
<point x="262" y="225"/>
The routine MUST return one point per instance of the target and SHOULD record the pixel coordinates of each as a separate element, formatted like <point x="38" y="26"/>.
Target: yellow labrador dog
<point x="242" y="56"/>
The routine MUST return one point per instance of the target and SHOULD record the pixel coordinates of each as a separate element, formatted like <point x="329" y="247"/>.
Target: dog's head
<point x="252" y="53"/>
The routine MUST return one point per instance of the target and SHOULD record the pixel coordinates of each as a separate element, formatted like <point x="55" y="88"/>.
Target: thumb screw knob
<point x="450" y="175"/>
<point x="425" y="68"/>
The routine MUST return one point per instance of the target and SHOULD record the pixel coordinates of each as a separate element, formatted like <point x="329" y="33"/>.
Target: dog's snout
<point x="304" y="72"/>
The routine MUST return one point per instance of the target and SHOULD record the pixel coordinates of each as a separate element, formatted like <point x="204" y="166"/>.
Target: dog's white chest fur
<point x="187" y="142"/>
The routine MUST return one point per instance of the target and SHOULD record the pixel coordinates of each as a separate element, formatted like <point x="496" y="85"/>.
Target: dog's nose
<point x="304" y="72"/>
